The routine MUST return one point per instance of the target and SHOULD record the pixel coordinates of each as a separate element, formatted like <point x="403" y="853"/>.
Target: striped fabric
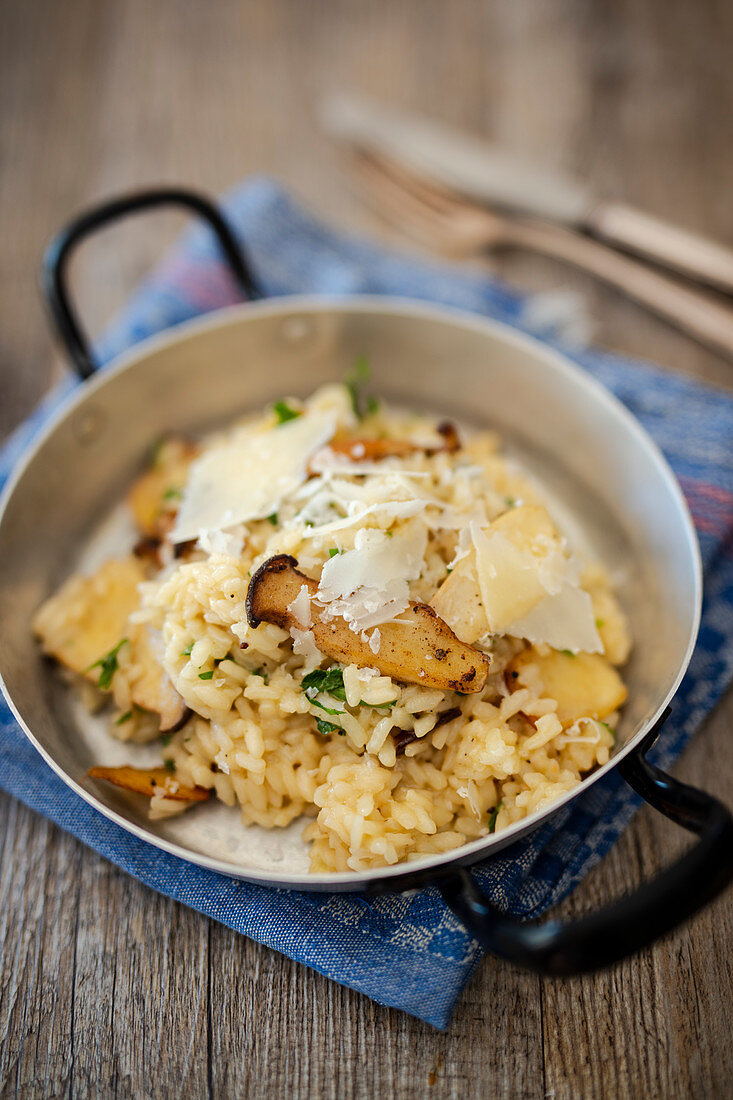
<point x="406" y="951"/>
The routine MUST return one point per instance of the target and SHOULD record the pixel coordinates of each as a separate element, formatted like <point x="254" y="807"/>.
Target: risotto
<point x="354" y="615"/>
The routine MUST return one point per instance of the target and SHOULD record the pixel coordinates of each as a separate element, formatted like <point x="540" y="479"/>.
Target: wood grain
<point x="107" y="989"/>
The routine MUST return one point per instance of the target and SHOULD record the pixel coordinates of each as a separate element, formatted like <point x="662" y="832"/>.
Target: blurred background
<point x="97" y="97"/>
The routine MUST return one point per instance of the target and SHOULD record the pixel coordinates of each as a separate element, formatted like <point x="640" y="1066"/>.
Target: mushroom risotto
<point x="353" y="614"/>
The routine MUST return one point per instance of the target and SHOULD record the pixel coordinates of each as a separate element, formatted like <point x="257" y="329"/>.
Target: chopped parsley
<point x="334" y="551"/>
<point x="260" y="672"/>
<point x="329" y="681"/>
<point x="284" y="412"/>
<point x="157" y="449"/>
<point x="108" y="665"/>
<point x="493" y="816"/>
<point x="273" y="519"/>
<point x="169" y="764"/>
<point x="166" y="738"/>
<point x="173" y="493"/>
<point x="600" y="623"/>
<point x="187" y="651"/>
<point x="355" y="380"/>
<point x="449" y="568"/>
<point x="206" y="675"/>
<point x="124" y="718"/>
<point x="372" y="405"/>
<point x="568" y="652"/>
<point x="610" y="730"/>
<point x="311" y="697"/>
<point x="325" y="728"/>
<point x="510" y="502"/>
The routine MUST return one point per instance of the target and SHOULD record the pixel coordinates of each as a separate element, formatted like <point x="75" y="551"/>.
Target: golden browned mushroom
<point x="449" y="432"/>
<point x="585" y="685"/>
<point x="150" y="781"/>
<point x="155" y="496"/>
<point x="151" y="688"/>
<point x="88" y="616"/>
<point x="416" y="648"/>
<point x="85" y="625"/>
<point x="372" y="450"/>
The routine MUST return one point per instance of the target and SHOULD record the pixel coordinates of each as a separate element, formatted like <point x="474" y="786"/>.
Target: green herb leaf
<point x="568" y="652"/>
<point x="273" y="519"/>
<point x="260" y="672"/>
<point x="610" y="730"/>
<point x="206" y="675"/>
<point x="372" y="405"/>
<point x="156" y="450"/>
<point x="174" y="493"/>
<point x="169" y="765"/>
<point x="310" y="695"/>
<point x="334" y="551"/>
<point x="449" y="568"/>
<point x="284" y="412"/>
<point x="600" y="623"/>
<point x="354" y="380"/>
<point x="493" y="816"/>
<point x="510" y="502"/>
<point x="124" y="718"/>
<point x="326" y="728"/>
<point x="166" y="738"/>
<point x="108" y="665"/>
<point x="329" y="681"/>
<point x="187" y="651"/>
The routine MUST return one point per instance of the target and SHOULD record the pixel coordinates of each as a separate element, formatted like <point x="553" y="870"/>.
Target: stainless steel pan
<point x="61" y="512"/>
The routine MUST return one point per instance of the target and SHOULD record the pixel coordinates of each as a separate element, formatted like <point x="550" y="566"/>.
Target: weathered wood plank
<point x="107" y="989"/>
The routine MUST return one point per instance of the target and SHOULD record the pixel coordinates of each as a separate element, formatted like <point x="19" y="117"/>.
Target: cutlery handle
<point x="688" y="309"/>
<point x="675" y="248"/>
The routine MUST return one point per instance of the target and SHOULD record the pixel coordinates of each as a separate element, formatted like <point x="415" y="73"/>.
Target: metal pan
<point x="59" y="513"/>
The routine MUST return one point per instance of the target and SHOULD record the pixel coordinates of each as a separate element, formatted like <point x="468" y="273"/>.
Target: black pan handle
<point x="54" y="267"/>
<point x="634" y="921"/>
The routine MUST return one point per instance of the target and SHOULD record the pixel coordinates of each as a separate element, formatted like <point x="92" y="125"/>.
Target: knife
<point x="494" y="176"/>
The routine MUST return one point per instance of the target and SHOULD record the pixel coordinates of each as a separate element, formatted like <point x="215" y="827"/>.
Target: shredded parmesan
<point x="368" y="585"/>
<point x="304" y="644"/>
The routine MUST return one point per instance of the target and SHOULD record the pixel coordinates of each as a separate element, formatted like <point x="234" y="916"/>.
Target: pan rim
<point x="475" y="850"/>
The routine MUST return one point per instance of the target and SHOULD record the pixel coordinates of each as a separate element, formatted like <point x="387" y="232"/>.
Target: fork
<point x="456" y="226"/>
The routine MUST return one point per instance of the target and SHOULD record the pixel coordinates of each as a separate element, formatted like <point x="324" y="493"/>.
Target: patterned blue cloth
<point x="406" y="951"/>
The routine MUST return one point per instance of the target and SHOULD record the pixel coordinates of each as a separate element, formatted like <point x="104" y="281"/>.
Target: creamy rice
<point x="402" y="769"/>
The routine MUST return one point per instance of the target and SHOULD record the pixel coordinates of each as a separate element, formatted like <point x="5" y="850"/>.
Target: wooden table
<point x="107" y="988"/>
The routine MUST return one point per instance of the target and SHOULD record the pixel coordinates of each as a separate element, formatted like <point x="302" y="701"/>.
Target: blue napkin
<point x="409" y="952"/>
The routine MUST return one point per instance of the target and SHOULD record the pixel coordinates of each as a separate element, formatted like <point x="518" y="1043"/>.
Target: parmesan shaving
<point x="368" y="585"/>
<point x="563" y="621"/>
<point x="301" y="609"/>
<point x="248" y="474"/>
<point x="229" y="543"/>
<point x="529" y="585"/>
